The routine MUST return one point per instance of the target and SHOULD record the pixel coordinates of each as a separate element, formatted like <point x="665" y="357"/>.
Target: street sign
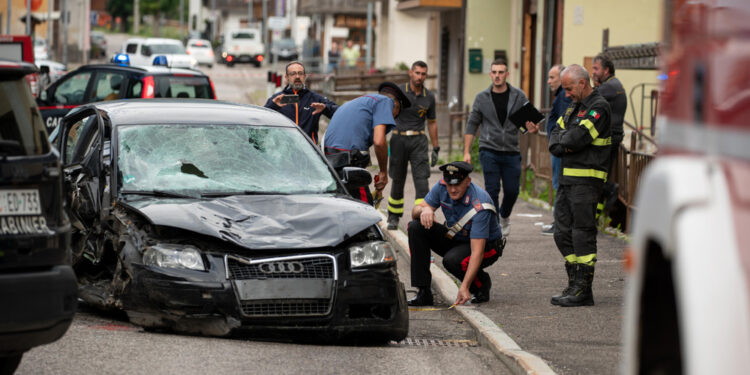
<point x="277" y="23"/>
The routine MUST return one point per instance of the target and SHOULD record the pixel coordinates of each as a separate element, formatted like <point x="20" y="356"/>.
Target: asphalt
<point x="518" y="324"/>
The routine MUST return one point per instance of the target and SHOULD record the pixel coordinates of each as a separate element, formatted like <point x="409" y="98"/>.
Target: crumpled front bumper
<point x="362" y="302"/>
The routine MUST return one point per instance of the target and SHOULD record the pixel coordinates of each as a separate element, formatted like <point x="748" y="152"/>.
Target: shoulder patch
<point x="581" y="113"/>
<point x="594" y="114"/>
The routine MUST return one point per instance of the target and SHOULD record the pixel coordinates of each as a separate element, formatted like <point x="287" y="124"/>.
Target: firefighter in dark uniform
<point x="469" y="242"/>
<point x="582" y="139"/>
<point x="409" y="143"/>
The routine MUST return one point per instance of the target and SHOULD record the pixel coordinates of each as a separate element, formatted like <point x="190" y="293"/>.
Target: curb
<point x="488" y="332"/>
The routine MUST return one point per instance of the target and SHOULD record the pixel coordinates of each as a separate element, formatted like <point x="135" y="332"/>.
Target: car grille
<point x="286" y="308"/>
<point x="293" y="286"/>
<point x="314" y="268"/>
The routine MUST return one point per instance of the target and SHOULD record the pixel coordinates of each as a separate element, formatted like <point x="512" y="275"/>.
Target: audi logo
<point x="282" y="267"/>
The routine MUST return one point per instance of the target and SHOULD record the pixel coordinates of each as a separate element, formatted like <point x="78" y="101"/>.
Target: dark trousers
<point x="404" y="150"/>
<point x="575" y="221"/>
<point x="356" y="159"/>
<point x="498" y="166"/>
<point x="456" y="254"/>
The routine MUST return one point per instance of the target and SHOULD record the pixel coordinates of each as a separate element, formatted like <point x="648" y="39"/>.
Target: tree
<point x="122" y="9"/>
<point x="160" y="9"/>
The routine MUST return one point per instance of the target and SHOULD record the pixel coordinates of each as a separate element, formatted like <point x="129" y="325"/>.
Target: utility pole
<point x="213" y="20"/>
<point x="7" y="24"/>
<point x="49" y="23"/>
<point x="265" y="31"/>
<point x="28" y="17"/>
<point x="368" y="56"/>
<point x="136" y="17"/>
<point x="64" y="18"/>
<point x="182" y="15"/>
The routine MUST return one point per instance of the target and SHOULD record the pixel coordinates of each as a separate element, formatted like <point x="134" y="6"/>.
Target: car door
<point x="81" y="153"/>
<point x="62" y="96"/>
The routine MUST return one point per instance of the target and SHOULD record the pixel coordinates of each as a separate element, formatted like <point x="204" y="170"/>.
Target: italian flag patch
<point x="594" y="114"/>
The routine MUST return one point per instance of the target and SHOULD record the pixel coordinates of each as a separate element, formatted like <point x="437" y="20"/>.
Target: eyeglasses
<point x="295" y="74"/>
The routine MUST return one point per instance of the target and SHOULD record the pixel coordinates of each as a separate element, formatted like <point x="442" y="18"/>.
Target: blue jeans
<point x="497" y="166"/>
<point x="556" y="167"/>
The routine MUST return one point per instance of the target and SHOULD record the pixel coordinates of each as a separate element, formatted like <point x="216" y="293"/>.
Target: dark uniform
<point x="614" y="93"/>
<point x="582" y="138"/>
<point x="455" y="248"/>
<point x="409" y="144"/>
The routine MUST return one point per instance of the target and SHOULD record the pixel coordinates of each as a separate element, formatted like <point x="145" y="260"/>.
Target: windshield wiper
<point x="159" y="193"/>
<point x="213" y="194"/>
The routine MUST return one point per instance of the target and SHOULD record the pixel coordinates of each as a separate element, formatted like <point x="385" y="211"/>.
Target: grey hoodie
<point x="495" y="136"/>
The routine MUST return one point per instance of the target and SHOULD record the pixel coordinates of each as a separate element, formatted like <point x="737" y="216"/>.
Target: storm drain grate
<point x="435" y="342"/>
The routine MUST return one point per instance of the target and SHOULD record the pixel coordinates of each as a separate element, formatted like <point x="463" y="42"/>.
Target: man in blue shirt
<point x="364" y="122"/>
<point x="310" y="106"/>
<point x="559" y="105"/>
<point x="469" y="242"/>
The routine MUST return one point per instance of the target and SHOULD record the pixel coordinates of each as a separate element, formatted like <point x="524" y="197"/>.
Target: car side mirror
<point x="355" y="177"/>
<point x="44" y="69"/>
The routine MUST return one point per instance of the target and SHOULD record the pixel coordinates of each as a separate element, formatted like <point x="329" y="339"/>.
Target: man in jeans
<point x="499" y="152"/>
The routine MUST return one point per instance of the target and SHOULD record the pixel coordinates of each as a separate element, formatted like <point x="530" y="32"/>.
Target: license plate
<point x="20" y="202"/>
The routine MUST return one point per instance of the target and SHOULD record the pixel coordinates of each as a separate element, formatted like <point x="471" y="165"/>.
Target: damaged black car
<point x="214" y="218"/>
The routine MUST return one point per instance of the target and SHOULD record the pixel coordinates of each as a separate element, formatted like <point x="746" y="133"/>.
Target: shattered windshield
<point x="216" y="159"/>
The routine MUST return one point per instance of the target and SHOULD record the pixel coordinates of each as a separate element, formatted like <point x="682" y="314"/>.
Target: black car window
<point x="136" y="89"/>
<point x="22" y="131"/>
<point x="183" y="87"/>
<point x="107" y="86"/>
<point x="72" y="90"/>
<point x="166" y="49"/>
<point x="131" y="48"/>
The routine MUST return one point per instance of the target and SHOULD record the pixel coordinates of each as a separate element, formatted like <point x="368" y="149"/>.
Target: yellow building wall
<point x="629" y="22"/>
<point x="487" y="27"/>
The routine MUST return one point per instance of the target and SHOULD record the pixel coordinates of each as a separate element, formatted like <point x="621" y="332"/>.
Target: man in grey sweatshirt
<point x="499" y="152"/>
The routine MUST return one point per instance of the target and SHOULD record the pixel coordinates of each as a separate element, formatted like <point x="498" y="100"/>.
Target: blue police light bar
<point x="160" y="60"/>
<point x="121" y="59"/>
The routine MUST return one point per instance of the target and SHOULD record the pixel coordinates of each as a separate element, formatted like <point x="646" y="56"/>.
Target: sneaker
<point x="393" y="222"/>
<point x="548" y="229"/>
<point x="505" y="225"/>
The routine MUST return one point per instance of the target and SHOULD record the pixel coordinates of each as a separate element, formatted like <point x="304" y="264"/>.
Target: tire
<point x="230" y="64"/>
<point x="9" y="364"/>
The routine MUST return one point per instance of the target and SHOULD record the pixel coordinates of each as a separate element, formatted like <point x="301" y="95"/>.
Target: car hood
<point x="262" y="221"/>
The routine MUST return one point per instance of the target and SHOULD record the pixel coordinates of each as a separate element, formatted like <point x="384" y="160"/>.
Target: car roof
<point x="143" y="69"/>
<point x="189" y="111"/>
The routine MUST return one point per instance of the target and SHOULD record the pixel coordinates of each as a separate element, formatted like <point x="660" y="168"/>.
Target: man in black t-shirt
<point x="499" y="151"/>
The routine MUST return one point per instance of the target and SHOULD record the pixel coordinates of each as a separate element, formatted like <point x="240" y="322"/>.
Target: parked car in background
<point x="243" y="46"/>
<point x="205" y="217"/>
<point x="285" y="49"/>
<point x="41" y="49"/>
<point x="98" y="45"/>
<point x="201" y="50"/>
<point x="142" y="51"/>
<point x="55" y="69"/>
<point x="97" y="82"/>
<point x="38" y="292"/>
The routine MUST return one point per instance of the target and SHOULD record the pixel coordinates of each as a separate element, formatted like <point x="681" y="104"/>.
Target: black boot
<point x="483" y="293"/>
<point x="423" y="298"/>
<point x="581" y="293"/>
<point x="393" y="221"/>
<point x="570" y="268"/>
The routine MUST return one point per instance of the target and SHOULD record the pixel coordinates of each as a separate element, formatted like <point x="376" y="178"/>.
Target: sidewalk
<point x="570" y="340"/>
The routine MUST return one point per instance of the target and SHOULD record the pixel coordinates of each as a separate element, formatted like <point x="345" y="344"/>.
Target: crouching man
<point x="469" y="242"/>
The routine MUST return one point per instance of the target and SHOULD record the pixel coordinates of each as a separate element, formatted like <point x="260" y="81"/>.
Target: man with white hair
<point x="582" y="139"/>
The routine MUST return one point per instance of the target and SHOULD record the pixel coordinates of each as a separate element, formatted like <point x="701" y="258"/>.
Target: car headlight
<point x="173" y="256"/>
<point x="371" y="253"/>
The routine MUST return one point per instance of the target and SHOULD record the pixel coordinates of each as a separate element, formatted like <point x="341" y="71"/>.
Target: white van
<point x="142" y="51"/>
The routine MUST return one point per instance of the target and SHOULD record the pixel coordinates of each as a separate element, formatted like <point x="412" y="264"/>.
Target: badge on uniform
<point x="594" y="114"/>
<point x="582" y="113"/>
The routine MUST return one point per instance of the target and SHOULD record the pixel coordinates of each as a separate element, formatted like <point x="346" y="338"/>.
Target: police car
<point x="120" y="80"/>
